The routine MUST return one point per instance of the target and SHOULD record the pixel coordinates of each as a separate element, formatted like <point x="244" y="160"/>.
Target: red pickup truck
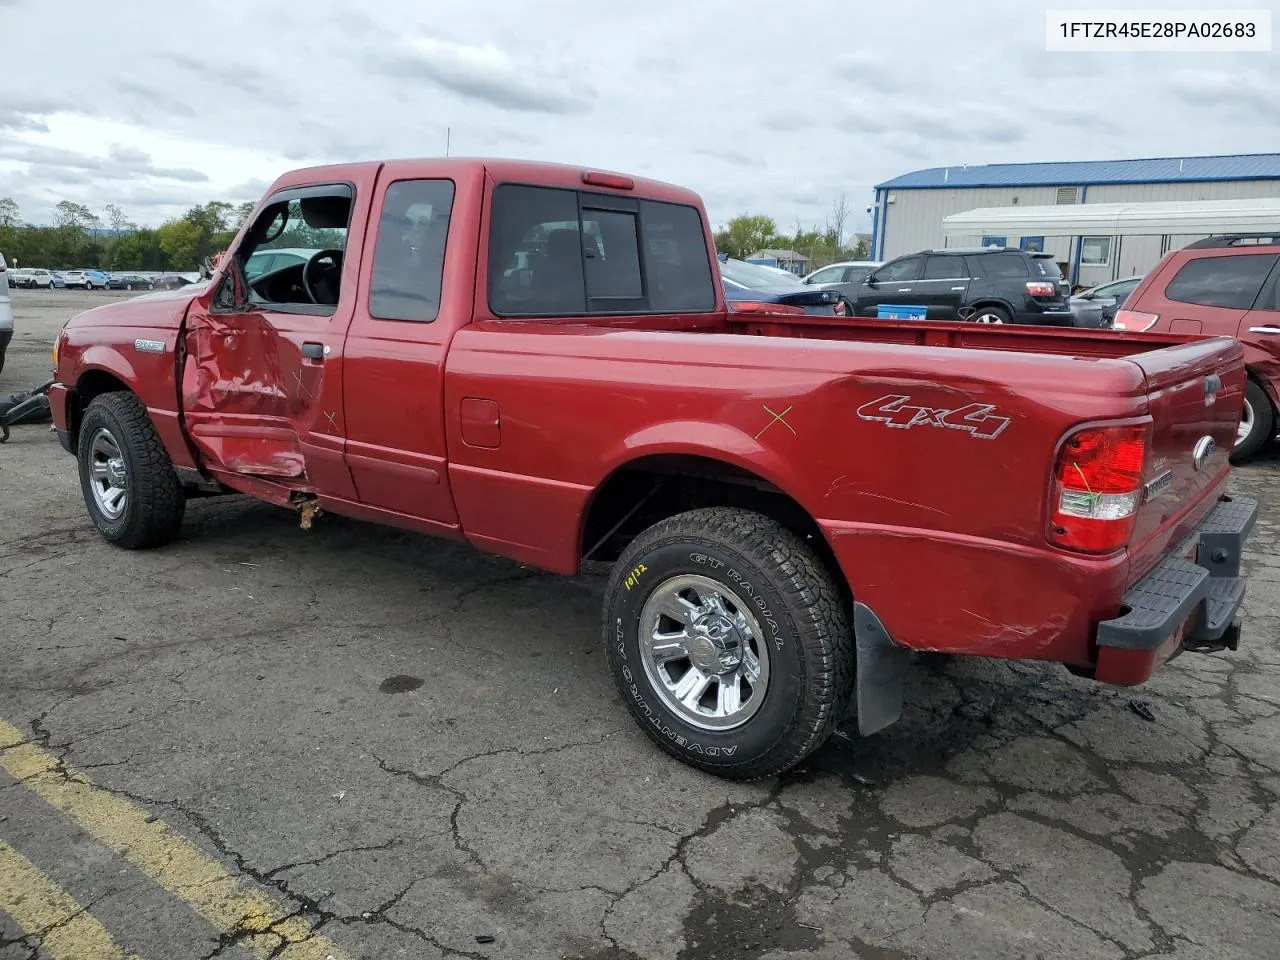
<point x="538" y="359"/>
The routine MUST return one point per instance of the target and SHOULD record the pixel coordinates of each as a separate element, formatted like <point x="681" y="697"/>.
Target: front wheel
<point x="129" y="485"/>
<point x="1257" y="422"/>
<point x="729" y="642"/>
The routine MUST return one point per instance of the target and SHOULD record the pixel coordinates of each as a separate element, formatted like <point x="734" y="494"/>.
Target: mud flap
<point x="881" y="672"/>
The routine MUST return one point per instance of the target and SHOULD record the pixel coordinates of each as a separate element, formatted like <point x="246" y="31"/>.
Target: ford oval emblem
<point x="1202" y="451"/>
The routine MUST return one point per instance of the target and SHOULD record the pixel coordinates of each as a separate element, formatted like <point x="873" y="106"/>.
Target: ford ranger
<point x="539" y="360"/>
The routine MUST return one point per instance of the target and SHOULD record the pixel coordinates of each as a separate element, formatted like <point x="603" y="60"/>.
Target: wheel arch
<point x="655" y="485"/>
<point x="91" y="383"/>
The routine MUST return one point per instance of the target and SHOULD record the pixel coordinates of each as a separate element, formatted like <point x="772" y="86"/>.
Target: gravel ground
<point x="408" y="748"/>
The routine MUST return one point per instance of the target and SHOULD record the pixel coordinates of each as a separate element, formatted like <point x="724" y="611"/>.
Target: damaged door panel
<point x="261" y="384"/>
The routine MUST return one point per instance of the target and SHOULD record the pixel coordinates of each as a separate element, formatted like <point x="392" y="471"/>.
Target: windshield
<point x="755" y="277"/>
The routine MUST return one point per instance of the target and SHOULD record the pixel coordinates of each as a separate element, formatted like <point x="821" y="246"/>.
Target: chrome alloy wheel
<point x="108" y="479"/>
<point x="1246" y="424"/>
<point x="704" y="652"/>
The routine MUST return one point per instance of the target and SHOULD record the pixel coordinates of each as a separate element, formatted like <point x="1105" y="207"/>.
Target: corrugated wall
<point x="914" y="220"/>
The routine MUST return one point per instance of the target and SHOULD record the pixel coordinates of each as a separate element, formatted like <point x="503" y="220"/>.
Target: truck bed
<point x="1022" y="339"/>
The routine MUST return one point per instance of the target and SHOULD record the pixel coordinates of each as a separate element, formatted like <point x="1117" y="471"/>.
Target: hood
<point x="162" y="310"/>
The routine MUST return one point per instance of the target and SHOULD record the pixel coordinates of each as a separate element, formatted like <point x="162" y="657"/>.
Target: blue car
<point x="746" y="283"/>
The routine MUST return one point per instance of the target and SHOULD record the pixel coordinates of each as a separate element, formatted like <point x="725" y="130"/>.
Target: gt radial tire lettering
<point x="759" y="601"/>
<point x="703" y="559"/>
<point x="674" y="736"/>
<point x="620" y="639"/>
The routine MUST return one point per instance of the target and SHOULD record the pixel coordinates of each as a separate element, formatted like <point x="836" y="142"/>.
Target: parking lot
<point x="376" y="745"/>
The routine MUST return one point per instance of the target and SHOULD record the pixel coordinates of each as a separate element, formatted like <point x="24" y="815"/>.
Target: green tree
<point x="181" y="241"/>
<point x="115" y="217"/>
<point x="75" y="216"/>
<point x="9" y="213"/>
<point x="746" y="234"/>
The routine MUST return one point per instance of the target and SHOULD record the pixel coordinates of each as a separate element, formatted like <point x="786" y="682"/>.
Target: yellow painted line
<point x="169" y="858"/>
<point x="49" y="915"/>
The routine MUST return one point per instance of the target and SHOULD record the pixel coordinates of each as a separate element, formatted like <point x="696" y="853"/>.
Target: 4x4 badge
<point x="896" y="410"/>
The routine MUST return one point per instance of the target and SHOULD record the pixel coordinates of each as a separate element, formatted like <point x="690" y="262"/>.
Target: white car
<point x="33" y="278"/>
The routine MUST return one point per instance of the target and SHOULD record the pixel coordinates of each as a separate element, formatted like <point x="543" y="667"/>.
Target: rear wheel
<point x="1257" y="423"/>
<point x="991" y="315"/>
<point x="729" y="642"/>
<point x="129" y="485"/>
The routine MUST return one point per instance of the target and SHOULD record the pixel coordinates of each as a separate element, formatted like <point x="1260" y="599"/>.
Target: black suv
<point x="989" y="285"/>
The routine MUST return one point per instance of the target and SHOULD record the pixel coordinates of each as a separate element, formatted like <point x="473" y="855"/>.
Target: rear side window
<point x="408" y="257"/>
<point x="1000" y="265"/>
<point x="1231" y="282"/>
<point x="555" y="252"/>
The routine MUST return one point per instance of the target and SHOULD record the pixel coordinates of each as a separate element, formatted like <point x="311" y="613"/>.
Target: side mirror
<point x="206" y="268"/>
<point x="870" y="280"/>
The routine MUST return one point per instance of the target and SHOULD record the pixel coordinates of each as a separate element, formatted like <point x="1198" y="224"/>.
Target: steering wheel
<point x="309" y="274"/>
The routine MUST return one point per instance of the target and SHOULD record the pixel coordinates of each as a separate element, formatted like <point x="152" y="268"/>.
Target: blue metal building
<point x="909" y="209"/>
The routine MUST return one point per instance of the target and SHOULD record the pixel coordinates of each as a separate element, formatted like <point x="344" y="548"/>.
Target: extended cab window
<point x="408" y="256"/>
<point x="945" y="268"/>
<point x="1232" y="282"/>
<point x="555" y="252"/>
<point x="291" y="257"/>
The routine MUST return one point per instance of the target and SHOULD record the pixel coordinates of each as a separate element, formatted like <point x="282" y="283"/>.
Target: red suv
<point x="1223" y="286"/>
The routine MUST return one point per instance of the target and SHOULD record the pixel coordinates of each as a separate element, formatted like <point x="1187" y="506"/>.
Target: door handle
<point x="1271" y="330"/>
<point x="957" y="288"/>
<point x="904" y="290"/>
<point x="314" y="351"/>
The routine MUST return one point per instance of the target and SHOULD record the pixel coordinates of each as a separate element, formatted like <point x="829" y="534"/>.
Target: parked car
<point x="6" y="310"/>
<point x="59" y="282"/>
<point x="987" y="285"/>
<point x="33" y="278"/>
<point x="269" y="260"/>
<point x="1089" y="307"/>
<point x="129" y="281"/>
<point x="169" y="281"/>
<point x="750" y="283"/>
<point x="1227" y="286"/>
<point x="845" y="277"/>
<point x="82" y="280"/>
<point x="98" y="279"/>
<point x="791" y="503"/>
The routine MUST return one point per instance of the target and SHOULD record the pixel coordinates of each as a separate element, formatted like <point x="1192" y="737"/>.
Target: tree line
<point x="824" y="244"/>
<point x="82" y="239"/>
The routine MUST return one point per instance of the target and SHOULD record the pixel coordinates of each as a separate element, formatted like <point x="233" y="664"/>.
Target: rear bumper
<point x="1189" y="601"/>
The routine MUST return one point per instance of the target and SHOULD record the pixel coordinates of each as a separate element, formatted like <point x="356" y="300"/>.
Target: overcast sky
<point x="762" y="106"/>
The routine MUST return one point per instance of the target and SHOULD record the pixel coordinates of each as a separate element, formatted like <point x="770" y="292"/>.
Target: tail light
<point x="755" y="306"/>
<point x="1097" y="487"/>
<point x="1135" y="320"/>
<point x="1039" y="288"/>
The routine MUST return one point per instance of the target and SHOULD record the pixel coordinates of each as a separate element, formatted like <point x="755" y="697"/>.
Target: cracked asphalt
<point x="412" y="748"/>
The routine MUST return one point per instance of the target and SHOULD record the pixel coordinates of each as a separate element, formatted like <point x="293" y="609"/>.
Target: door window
<point x="310" y="224"/>
<point x="900" y="270"/>
<point x="408" y="256"/>
<point x="945" y="268"/>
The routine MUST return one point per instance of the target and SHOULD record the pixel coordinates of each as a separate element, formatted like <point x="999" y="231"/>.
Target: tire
<point x="1259" y="419"/>
<point x="991" y="315"/>
<point x="2" y="352"/>
<point x="153" y="502"/>
<point x="803" y="649"/>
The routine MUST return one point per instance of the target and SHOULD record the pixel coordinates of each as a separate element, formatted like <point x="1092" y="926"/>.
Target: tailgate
<point x="1195" y="393"/>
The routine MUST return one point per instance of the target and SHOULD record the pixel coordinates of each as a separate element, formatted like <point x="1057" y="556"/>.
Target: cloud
<point x="120" y="163"/>
<point x="485" y="74"/>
